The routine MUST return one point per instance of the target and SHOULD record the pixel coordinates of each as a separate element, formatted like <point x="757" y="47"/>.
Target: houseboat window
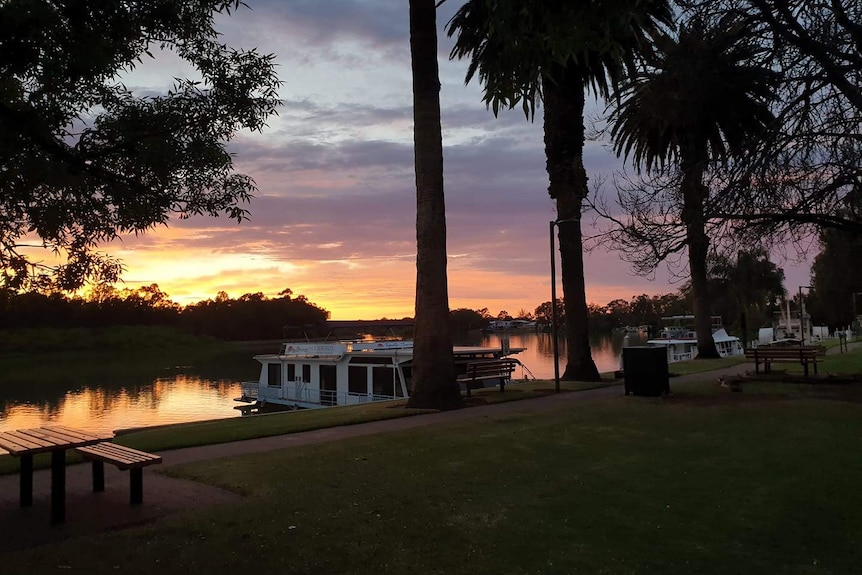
<point x="384" y="381"/>
<point x="370" y="360"/>
<point x="291" y="372"/>
<point x="306" y="373"/>
<point x="357" y="379"/>
<point x="273" y="374"/>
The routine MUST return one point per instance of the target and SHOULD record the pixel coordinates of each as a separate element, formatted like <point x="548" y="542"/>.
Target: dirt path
<point x="88" y="512"/>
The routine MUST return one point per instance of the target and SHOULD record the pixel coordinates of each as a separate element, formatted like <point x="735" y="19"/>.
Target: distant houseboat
<point x="322" y="374"/>
<point x="510" y="324"/>
<point x="679" y="337"/>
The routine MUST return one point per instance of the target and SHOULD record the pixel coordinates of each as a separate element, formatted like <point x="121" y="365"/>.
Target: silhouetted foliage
<point x="251" y="316"/>
<point x="702" y="96"/>
<point x="837" y="279"/>
<point x="84" y="159"/>
<point x="804" y="171"/>
<point x="552" y="52"/>
<point x="746" y="291"/>
<point x="463" y="319"/>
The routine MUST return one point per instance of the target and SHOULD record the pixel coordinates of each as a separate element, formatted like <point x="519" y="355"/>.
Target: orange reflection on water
<point x="164" y="401"/>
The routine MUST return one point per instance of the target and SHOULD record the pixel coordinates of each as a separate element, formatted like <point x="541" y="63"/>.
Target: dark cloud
<point x="283" y="26"/>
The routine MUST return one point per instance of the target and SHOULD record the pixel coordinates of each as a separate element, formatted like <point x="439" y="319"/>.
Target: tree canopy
<point x="85" y="159"/>
<point x="806" y="170"/>
<point x="553" y="51"/>
<point x="698" y="99"/>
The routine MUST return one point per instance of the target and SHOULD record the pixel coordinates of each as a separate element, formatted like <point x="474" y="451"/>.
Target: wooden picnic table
<point x="53" y="439"/>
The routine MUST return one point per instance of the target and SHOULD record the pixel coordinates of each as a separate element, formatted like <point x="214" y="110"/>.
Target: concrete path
<point x="88" y="512"/>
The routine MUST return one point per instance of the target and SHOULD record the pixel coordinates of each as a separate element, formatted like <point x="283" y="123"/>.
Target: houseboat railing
<point x="311" y="397"/>
<point x="249" y="390"/>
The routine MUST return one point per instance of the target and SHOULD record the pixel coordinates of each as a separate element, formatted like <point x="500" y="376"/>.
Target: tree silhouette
<point x="84" y="159"/>
<point x="433" y="382"/>
<point x="526" y="52"/>
<point x="698" y="99"/>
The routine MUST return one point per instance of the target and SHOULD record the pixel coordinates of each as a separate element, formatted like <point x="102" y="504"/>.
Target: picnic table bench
<point x="53" y="439"/>
<point x="803" y="355"/>
<point x="499" y="370"/>
<point x="124" y="458"/>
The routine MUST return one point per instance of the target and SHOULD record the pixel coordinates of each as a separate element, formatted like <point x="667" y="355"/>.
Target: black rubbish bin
<point x="645" y="370"/>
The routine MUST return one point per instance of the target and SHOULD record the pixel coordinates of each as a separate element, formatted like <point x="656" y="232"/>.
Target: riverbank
<point x="577" y="482"/>
<point x="222" y="431"/>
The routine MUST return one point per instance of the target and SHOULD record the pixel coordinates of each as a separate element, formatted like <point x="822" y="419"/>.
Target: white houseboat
<point x="324" y="374"/>
<point x="680" y="338"/>
<point x="510" y="324"/>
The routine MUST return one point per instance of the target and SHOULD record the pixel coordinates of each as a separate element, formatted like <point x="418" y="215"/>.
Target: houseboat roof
<point x="324" y="351"/>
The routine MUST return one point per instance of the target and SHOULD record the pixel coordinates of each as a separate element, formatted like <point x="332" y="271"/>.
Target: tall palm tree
<point x="699" y="100"/>
<point x="433" y="381"/>
<point x="526" y="51"/>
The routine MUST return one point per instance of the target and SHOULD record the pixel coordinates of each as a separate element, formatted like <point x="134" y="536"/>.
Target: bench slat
<point x="119" y="455"/>
<point x="110" y="454"/>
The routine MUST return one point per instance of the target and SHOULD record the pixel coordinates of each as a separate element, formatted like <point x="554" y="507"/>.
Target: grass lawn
<point x="235" y="429"/>
<point x="701" y="365"/>
<point x="705" y="481"/>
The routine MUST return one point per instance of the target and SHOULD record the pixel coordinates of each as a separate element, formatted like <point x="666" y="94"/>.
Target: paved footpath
<point x="88" y="512"/>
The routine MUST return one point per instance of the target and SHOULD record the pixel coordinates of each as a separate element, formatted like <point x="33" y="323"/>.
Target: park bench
<point x="803" y="355"/>
<point x="478" y="372"/>
<point x="124" y="458"/>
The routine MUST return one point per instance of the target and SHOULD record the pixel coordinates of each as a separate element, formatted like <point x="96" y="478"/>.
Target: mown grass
<point x="710" y="482"/>
<point x="701" y="365"/>
<point x="237" y="429"/>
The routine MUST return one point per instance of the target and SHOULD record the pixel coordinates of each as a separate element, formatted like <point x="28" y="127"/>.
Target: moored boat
<point x="678" y="336"/>
<point x="510" y="324"/>
<point x="325" y="374"/>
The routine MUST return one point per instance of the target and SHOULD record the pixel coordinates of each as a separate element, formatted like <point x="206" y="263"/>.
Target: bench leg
<point x="805" y="368"/>
<point x="98" y="476"/>
<point x="502" y="385"/>
<point x="26" y="480"/>
<point x="58" y="486"/>
<point x="136" y="480"/>
<point x="467" y="385"/>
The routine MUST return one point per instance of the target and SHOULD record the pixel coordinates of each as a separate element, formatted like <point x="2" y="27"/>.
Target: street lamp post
<point x="555" y="344"/>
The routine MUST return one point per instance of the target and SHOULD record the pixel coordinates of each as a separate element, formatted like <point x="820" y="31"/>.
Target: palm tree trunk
<point x="433" y="382"/>
<point x="694" y="194"/>
<point x="564" y="148"/>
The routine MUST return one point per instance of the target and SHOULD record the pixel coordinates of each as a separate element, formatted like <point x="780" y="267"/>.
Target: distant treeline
<point x="255" y="316"/>
<point x="251" y="316"/>
<point x="640" y="310"/>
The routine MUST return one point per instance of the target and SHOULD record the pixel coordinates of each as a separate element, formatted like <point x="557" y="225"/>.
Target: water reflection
<point x="109" y="393"/>
<point x="115" y="394"/>
<point x="166" y="400"/>
<point x="539" y="353"/>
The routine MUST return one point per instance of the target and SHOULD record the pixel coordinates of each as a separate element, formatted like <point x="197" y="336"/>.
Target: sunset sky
<point x="335" y="212"/>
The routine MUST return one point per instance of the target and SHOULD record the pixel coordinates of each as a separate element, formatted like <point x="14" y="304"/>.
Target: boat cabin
<point x="312" y="375"/>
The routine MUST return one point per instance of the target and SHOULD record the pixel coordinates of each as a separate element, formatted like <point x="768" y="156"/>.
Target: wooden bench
<point x="486" y="370"/>
<point x="804" y="355"/>
<point x="125" y="458"/>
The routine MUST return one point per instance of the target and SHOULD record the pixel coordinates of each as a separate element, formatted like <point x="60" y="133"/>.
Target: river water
<point x="107" y="398"/>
